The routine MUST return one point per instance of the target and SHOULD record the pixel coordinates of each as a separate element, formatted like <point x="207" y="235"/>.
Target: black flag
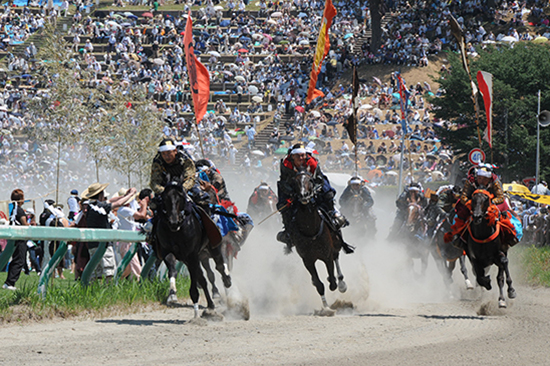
<point x="351" y="124"/>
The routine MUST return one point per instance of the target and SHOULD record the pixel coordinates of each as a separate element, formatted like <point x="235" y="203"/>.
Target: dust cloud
<point x="377" y="274"/>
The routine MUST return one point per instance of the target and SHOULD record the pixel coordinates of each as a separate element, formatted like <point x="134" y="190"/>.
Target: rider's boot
<point x="338" y="220"/>
<point x="283" y="236"/>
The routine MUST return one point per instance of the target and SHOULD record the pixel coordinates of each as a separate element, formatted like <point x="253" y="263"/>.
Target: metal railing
<point x="64" y="235"/>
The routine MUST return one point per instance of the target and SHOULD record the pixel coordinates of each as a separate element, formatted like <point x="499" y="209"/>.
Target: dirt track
<point x="420" y="334"/>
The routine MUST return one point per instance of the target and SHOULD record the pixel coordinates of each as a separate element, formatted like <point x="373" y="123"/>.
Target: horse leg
<point x="197" y="278"/>
<point x="205" y="262"/>
<point x="464" y="270"/>
<point x="500" y="281"/>
<point x="316" y="281"/>
<point x="330" y="270"/>
<point x="481" y="276"/>
<point x="342" y="287"/>
<point x="221" y="266"/>
<point x="511" y="291"/>
<point x="170" y="261"/>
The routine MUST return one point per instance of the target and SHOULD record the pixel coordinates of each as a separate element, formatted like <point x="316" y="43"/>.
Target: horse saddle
<point x="212" y="231"/>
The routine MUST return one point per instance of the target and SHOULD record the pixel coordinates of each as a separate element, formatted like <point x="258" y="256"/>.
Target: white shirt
<point x="126" y="218"/>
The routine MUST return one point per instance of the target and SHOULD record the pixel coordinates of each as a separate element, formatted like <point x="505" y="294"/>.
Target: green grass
<point x="67" y="298"/>
<point x="536" y="265"/>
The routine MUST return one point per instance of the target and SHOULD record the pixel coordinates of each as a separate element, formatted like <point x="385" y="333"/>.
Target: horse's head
<point x="174" y="199"/>
<point x="481" y="200"/>
<point x="304" y="187"/>
<point x="414" y="216"/>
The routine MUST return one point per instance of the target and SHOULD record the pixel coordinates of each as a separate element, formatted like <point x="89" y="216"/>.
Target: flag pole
<point x="200" y="139"/>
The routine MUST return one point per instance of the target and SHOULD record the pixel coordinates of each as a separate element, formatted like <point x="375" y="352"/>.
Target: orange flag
<point x="323" y="46"/>
<point x="199" y="78"/>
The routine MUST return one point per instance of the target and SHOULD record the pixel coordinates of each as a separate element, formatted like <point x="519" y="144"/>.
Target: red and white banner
<point x="485" y="82"/>
<point x="199" y="78"/>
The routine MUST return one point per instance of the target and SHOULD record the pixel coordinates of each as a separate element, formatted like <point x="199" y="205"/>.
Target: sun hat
<point x="93" y="190"/>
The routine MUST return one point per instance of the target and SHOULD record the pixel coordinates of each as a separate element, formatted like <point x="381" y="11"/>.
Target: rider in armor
<point x="412" y="193"/>
<point x="208" y="172"/>
<point x="433" y="213"/>
<point x="172" y="163"/>
<point x="298" y="159"/>
<point x="262" y="193"/>
<point x="481" y="178"/>
<point x="448" y="197"/>
<point x="356" y="186"/>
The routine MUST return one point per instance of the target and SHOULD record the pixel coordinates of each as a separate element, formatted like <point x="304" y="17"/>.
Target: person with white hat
<point x="356" y="187"/>
<point x="299" y="159"/>
<point x="97" y="217"/>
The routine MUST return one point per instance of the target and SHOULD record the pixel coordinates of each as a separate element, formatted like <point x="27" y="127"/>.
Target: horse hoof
<point x="469" y="285"/>
<point x="212" y="315"/>
<point x="227" y="282"/>
<point x="216" y="294"/>
<point x="198" y="321"/>
<point x="333" y="286"/>
<point x="512" y="293"/>
<point x="342" y="287"/>
<point x="172" y="299"/>
<point x="502" y="304"/>
<point x="325" y="312"/>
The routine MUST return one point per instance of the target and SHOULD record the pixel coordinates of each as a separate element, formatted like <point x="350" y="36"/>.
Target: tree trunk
<point x="376" y="26"/>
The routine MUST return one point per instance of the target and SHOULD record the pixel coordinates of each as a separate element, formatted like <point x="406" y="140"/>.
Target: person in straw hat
<point x="97" y="217"/>
<point x="129" y="215"/>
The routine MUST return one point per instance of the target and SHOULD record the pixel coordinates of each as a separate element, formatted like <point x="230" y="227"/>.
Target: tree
<point x="518" y="74"/>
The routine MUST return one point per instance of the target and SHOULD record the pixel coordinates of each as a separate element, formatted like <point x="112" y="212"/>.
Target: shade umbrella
<point x="316" y="114"/>
<point x="253" y="89"/>
<point x="147" y="15"/>
<point x="132" y="16"/>
<point x="242" y="50"/>
<point x="158" y="61"/>
<point x="392" y="173"/>
<point x="540" y="39"/>
<point x="300" y="109"/>
<point x="376" y="80"/>
<point x="257" y="153"/>
<point x="268" y="36"/>
<point x="276" y="14"/>
<point x="218" y="7"/>
<point x="514" y="187"/>
<point x="437" y="175"/>
<point x="281" y="151"/>
<point x="239" y="78"/>
<point x="365" y="106"/>
<point x="257" y="99"/>
<point x="284" y="41"/>
<point x="117" y="16"/>
<point x="373" y="174"/>
<point x="257" y="36"/>
<point x="302" y="15"/>
<point x="270" y="21"/>
<point x="304" y="42"/>
<point x="509" y="39"/>
<point x="349" y="35"/>
<point x="214" y="53"/>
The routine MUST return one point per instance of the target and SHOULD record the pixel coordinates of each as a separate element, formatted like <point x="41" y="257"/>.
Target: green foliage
<point x="518" y="74"/>
<point x="67" y="298"/>
<point x="536" y="264"/>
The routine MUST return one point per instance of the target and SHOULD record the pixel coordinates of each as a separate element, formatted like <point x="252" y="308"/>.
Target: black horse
<point x="313" y="239"/>
<point x="181" y="236"/>
<point x="484" y="247"/>
<point x="446" y="254"/>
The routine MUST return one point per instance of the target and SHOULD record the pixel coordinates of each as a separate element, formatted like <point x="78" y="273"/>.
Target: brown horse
<point x="413" y="232"/>
<point x="484" y="247"/>
<point x="313" y="238"/>
<point x="446" y="254"/>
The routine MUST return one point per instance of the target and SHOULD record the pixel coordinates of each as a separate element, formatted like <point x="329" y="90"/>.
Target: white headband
<point x="298" y="150"/>
<point x="484" y="173"/>
<point x="355" y="181"/>
<point x="167" y="148"/>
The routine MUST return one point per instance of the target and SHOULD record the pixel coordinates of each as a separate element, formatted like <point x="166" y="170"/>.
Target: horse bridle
<point x="178" y="187"/>
<point x="306" y="198"/>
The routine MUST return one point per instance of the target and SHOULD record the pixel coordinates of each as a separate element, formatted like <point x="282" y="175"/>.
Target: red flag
<point x="199" y="78"/>
<point x="485" y="82"/>
<point x="321" y="50"/>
